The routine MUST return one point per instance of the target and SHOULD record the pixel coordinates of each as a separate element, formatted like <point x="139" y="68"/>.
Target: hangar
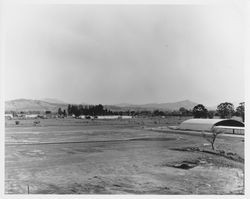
<point x="230" y="125"/>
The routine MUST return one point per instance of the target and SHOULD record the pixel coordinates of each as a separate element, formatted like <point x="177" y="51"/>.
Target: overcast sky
<point x="125" y="53"/>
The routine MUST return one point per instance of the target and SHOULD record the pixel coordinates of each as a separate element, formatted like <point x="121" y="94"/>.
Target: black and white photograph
<point x="124" y="99"/>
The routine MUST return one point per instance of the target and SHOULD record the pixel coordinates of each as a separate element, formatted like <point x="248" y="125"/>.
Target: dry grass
<point x="115" y="157"/>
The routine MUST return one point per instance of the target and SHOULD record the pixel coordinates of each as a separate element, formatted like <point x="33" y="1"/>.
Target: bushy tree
<point x="75" y="110"/>
<point x="47" y="112"/>
<point x="59" y="111"/>
<point x="70" y="110"/>
<point x="225" y="110"/>
<point x="158" y="113"/>
<point x="183" y="111"/>
<point x="199" y="111"/>
<point x="240" y="111"/>
<point x="210" y="114"/>
<point x="64" y="113"/>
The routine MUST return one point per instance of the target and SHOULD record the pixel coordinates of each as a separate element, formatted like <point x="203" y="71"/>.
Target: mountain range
<point x="53" y="105"/>
<point x="33" y="105"/>
<point x="162" y="106"/>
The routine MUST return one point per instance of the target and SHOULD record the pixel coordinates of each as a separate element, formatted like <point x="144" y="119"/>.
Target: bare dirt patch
<point x="117" y="158"/>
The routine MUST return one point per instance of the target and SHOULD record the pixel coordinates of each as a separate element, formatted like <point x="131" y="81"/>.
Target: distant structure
<point x="225" y="125"/>
<point x="8" y="116"/>
<point x="31" y="116"/>
<point x="105" y="117"/>
<point x="108" y="117"/>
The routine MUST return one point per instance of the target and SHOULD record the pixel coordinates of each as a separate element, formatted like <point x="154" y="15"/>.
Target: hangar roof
<point x="208" y="124"/>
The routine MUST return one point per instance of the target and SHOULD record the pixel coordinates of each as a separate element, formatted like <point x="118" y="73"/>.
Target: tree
<point x="47" y="112"/>
<point x="183" y="111"/>
<point x="225" y="110"/>
<point x="211" y="137"/>
<point x="240" y="111"/>
<point x="199" y="111"/>
<point x="158" y="113"/>
<point x="59" y="111"/>
<point x="70" y="110"/>
<point x="210" y="114"/>
<point x="75" y="110"/>
<point x="81" y="109"/>
<point x="64" y="113"/>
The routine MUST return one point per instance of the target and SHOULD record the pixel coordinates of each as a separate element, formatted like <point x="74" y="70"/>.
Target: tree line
<point x="224" y="110"/>
<point x="92" y="110"/>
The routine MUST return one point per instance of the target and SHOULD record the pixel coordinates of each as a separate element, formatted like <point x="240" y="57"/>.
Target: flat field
<point x="73" y="156"/>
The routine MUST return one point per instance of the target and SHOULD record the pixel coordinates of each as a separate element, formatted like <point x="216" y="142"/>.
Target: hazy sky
<point x="125" y="53"/>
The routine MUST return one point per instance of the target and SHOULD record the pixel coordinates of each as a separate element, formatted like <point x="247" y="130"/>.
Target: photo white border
<point x="6" y="3"/>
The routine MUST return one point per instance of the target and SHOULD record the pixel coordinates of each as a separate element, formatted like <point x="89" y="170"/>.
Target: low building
<point x="8" y="116"/>
<point x="20" y="115"/>
<point x="105" y="117"/>
<point x="108" y="117"/>
<point x="83" y="117"/>
<point x="31" y="116"/>
<point x="225" y="125"/>
<point x="126" y="117"/>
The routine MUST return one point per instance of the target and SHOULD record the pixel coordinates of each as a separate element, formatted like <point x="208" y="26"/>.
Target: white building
<point x="31" y="116"/>
<point x="108" y="117"/>
<point x="105" y="117"/>
<point x="8" y="116"/>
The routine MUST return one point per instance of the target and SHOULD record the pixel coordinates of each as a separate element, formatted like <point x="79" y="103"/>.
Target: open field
<point x="72" y="156"/>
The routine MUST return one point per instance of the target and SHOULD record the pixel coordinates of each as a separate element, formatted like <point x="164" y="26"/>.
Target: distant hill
<point x="49" y="104"/>
<point x="52" y="100"/>
<point x="32" y="105"/>
<point x="53" y="105"/>
<point x="162" y="106"/>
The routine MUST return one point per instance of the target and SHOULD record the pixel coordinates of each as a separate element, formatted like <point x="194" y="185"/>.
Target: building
<point x="225" y="125"/>
<point x="105" y="117"/>
<point x="126" y="117"/>
<point x="31" y="116"/>
<point x="110" y="117"/>
<point x="8" y="116"/>
<point x="85" y="117"/>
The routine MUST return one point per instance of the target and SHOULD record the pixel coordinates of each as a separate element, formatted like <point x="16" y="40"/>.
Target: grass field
<point x="73" y="156"/>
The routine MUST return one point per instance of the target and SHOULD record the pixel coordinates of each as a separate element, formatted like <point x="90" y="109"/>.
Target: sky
<point x="137" y="54"/>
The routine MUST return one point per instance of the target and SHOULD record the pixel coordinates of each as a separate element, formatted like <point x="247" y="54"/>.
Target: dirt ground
<point x="72" y="156"/>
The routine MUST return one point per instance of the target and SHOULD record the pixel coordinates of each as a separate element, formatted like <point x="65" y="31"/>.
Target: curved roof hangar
<point x="208" y="124"/>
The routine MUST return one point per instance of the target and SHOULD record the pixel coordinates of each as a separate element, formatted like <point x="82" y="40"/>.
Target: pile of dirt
<point x="183" y="164"/>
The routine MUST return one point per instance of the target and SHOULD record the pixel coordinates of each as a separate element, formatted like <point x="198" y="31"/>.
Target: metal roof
<point x="208" y="124"/>
<point x="203" y="121"/>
